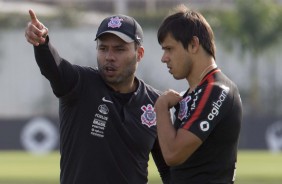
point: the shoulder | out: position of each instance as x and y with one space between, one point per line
86 71
213 90
217 81
148 88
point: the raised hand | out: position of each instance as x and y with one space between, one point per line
168 99
35 31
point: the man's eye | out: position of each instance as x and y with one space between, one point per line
102 48
166 48
120 49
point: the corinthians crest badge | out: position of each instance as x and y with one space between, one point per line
115 22
148 117
183 107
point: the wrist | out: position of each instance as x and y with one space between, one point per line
161 105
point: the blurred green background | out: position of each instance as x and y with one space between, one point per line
253 167
248 38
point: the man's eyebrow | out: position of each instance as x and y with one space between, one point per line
119 45
166 47
101 44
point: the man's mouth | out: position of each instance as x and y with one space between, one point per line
169 69
110 69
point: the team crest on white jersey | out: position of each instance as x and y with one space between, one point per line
115 22
148 117
183 107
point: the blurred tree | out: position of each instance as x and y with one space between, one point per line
256 25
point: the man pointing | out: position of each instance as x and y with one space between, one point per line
107 119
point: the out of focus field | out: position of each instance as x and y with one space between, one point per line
254 167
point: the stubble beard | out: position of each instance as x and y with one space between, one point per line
121 78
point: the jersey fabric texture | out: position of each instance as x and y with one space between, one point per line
105 137
213 112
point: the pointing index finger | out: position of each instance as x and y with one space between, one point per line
32 16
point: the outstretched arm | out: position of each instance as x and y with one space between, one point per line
61 74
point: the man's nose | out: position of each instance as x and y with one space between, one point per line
110 55
164 58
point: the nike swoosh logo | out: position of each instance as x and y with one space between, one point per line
105 100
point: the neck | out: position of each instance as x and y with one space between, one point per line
207 70
195 82
124 88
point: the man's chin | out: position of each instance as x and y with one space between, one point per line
177 77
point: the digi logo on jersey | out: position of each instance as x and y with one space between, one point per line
149 116
217 104
204 126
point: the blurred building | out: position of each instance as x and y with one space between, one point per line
123 6
26 96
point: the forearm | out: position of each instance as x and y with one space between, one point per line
48 60
59 72
166 132
163 168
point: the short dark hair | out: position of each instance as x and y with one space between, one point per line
184 24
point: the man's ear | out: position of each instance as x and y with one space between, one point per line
140 53
194 44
